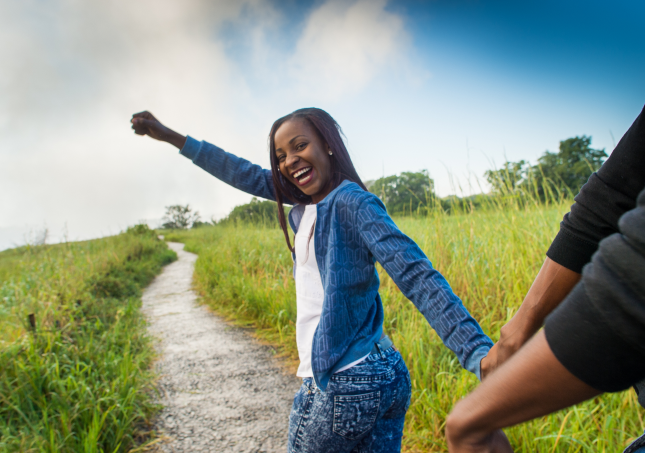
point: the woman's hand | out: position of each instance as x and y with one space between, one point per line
549 288
144 123
512 337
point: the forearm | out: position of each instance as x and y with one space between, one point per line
231 169
175 139
531 384
548 290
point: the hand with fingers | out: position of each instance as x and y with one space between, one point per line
144 123
549 289
501 351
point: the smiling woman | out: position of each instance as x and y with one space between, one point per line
356 387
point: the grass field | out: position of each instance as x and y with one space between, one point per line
81 380
490 258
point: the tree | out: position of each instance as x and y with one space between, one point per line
255 212
508 178
406 192
179 217
571 167
567 170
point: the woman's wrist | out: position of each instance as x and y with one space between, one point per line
176 139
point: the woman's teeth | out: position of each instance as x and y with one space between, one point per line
305 179
300 172
303 176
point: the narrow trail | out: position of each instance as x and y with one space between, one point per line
221 390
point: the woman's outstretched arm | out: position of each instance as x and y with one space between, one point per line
233 170
428 290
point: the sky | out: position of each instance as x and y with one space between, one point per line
454 87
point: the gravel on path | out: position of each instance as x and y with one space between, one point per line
221 390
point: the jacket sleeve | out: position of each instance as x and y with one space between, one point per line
428 290
607 195
233 170
598 332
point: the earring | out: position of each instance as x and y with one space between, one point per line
330 153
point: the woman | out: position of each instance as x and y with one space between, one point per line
356 387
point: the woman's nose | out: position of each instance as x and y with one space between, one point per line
292 160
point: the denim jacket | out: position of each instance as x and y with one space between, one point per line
353 231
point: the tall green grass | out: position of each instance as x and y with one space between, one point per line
80 381
490 257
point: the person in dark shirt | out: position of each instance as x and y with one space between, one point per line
594 335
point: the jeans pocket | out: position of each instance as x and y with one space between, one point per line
354 415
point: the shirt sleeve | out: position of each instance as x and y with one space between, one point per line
607 195
428 290
598 332
233 170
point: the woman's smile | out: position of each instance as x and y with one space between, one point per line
303 176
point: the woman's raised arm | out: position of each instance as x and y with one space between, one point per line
233 170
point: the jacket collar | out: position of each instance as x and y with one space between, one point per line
295 215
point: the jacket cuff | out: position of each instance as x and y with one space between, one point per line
473 364
191 148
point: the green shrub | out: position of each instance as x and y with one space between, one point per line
81 381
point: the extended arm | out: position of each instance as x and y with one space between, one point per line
593 342
233 170
607 195
428 290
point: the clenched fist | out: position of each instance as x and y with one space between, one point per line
144 123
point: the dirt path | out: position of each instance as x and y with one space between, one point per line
221 390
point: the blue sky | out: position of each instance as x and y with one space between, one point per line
454 87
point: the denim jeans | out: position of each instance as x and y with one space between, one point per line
362 410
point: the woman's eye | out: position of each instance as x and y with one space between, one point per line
301 146
280 157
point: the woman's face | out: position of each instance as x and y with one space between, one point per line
304 158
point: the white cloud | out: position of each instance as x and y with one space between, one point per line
345 45
74 71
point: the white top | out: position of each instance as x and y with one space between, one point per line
309 293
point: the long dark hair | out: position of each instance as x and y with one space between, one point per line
342 167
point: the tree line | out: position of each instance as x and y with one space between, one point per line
556 174
564 171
